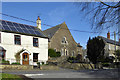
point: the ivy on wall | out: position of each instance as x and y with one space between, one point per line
17 55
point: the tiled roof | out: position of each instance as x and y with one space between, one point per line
12 27
109 40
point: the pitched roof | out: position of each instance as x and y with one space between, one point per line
12 27
1 48
51 31
109 40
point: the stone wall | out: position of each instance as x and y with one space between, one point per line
49 67
15 67
77 66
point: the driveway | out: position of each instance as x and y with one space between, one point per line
67 73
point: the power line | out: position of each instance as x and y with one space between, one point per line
47 24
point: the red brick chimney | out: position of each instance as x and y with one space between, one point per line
108 35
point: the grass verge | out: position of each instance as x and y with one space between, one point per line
6 76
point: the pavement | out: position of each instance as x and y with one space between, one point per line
68 73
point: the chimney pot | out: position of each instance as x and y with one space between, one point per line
108 35
38 23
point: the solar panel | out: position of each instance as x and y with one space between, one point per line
27 27
20 28
16 25
4 23
9 24
26 31
6 28
13 29
32 31
0 25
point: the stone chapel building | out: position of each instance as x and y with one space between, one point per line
60 39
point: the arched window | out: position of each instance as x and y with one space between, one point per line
64 41
73 53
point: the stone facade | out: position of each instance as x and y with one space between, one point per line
60 39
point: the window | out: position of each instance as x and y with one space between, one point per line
64 40
35 42
35 57
73 53
55 50
17 40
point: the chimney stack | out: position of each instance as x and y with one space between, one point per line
108 35
38 23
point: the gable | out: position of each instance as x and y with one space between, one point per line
62 32
65 32
51 31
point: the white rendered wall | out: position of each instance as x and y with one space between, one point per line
7 42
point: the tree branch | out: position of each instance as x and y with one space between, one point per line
111 6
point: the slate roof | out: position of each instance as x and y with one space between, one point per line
51 31
13 27
109 40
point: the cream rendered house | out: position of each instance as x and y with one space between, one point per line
28 40
110 45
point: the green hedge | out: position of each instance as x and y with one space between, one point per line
58 54
5 62
16 63
105 64
74 59
52 53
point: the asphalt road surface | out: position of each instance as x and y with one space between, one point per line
67 73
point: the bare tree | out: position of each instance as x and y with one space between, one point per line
102 15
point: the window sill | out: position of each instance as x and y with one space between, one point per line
36 46
18 44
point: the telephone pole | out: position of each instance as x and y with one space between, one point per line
115 46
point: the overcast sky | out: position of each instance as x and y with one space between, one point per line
52 13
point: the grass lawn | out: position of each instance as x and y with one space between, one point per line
6 76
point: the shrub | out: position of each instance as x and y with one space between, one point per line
71 59
106 64
16 63
17 55
5 62
51 53
79 57
109 59
58 54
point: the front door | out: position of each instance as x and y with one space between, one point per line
25 57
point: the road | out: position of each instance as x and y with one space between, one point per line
66 73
